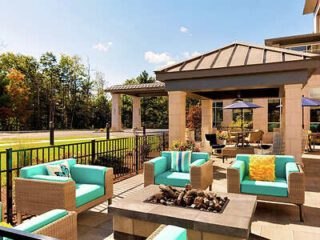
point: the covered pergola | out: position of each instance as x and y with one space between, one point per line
238 70
136 91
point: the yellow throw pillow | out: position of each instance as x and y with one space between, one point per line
262 168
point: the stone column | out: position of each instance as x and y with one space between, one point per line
206 118
136 112
227 114
293 122
260 115
177 116
116 113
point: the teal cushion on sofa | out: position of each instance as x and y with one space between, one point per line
160 165
88 174
41 169
278 188
280 163
172 233
178 179
291 167
87 192
42 220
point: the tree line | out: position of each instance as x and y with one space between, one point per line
64 90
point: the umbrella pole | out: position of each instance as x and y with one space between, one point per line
302 118
242 119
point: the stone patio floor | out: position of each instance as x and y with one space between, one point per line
271 220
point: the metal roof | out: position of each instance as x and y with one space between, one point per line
310 6
235 55
145 89
305 39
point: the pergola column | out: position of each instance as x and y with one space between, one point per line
136 112
292 110
116 113
227 113
177 116
260 115
206 118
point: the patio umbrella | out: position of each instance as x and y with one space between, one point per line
242 105
306 102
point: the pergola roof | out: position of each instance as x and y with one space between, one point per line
310 6
142 90
235 55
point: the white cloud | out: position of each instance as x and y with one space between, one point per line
158 58
190 55
3 45
102 47
184 29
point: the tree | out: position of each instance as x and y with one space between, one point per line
194 117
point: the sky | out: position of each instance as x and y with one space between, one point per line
121 38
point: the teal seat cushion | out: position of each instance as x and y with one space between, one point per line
87 192
278 188
178 179
160 165
88 174
42 220
41 169
280 164
172 233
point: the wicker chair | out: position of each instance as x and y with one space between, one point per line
288 188
254 137
157 171
37 192
168 232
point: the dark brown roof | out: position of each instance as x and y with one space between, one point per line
296 39
235 55
146 89
310 6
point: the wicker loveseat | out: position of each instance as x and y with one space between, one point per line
37 192
157 171
289 186
168 232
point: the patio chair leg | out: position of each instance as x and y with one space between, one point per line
19 218
210 187
223 159
300 213
109 201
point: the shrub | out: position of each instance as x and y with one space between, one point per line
184 146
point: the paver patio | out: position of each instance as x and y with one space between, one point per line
271 221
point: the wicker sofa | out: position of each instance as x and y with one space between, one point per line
37 192
289 186
157 171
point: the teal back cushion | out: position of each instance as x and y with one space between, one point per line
41 169
194 157
280 162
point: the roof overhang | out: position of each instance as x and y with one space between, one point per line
139 90
304 39
310 6
307 65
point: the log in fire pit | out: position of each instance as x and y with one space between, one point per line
189 198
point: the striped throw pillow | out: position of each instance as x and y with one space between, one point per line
180 161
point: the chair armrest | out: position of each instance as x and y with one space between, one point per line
291 167
64 228
235 174
50 178
296 186
35 197
88 174
198 162
201 176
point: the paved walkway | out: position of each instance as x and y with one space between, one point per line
271 221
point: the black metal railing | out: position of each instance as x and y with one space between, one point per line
125 155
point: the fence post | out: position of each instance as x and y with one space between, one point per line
9 184
137 154
51 126
144 130
108 130
93 150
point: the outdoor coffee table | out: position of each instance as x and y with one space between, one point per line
135 219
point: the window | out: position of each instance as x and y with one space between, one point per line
247 115
274 109
315 119
217 114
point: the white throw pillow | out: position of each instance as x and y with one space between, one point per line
60 170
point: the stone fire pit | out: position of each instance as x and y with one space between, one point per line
134 218
189 198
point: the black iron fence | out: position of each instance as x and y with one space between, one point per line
125 155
